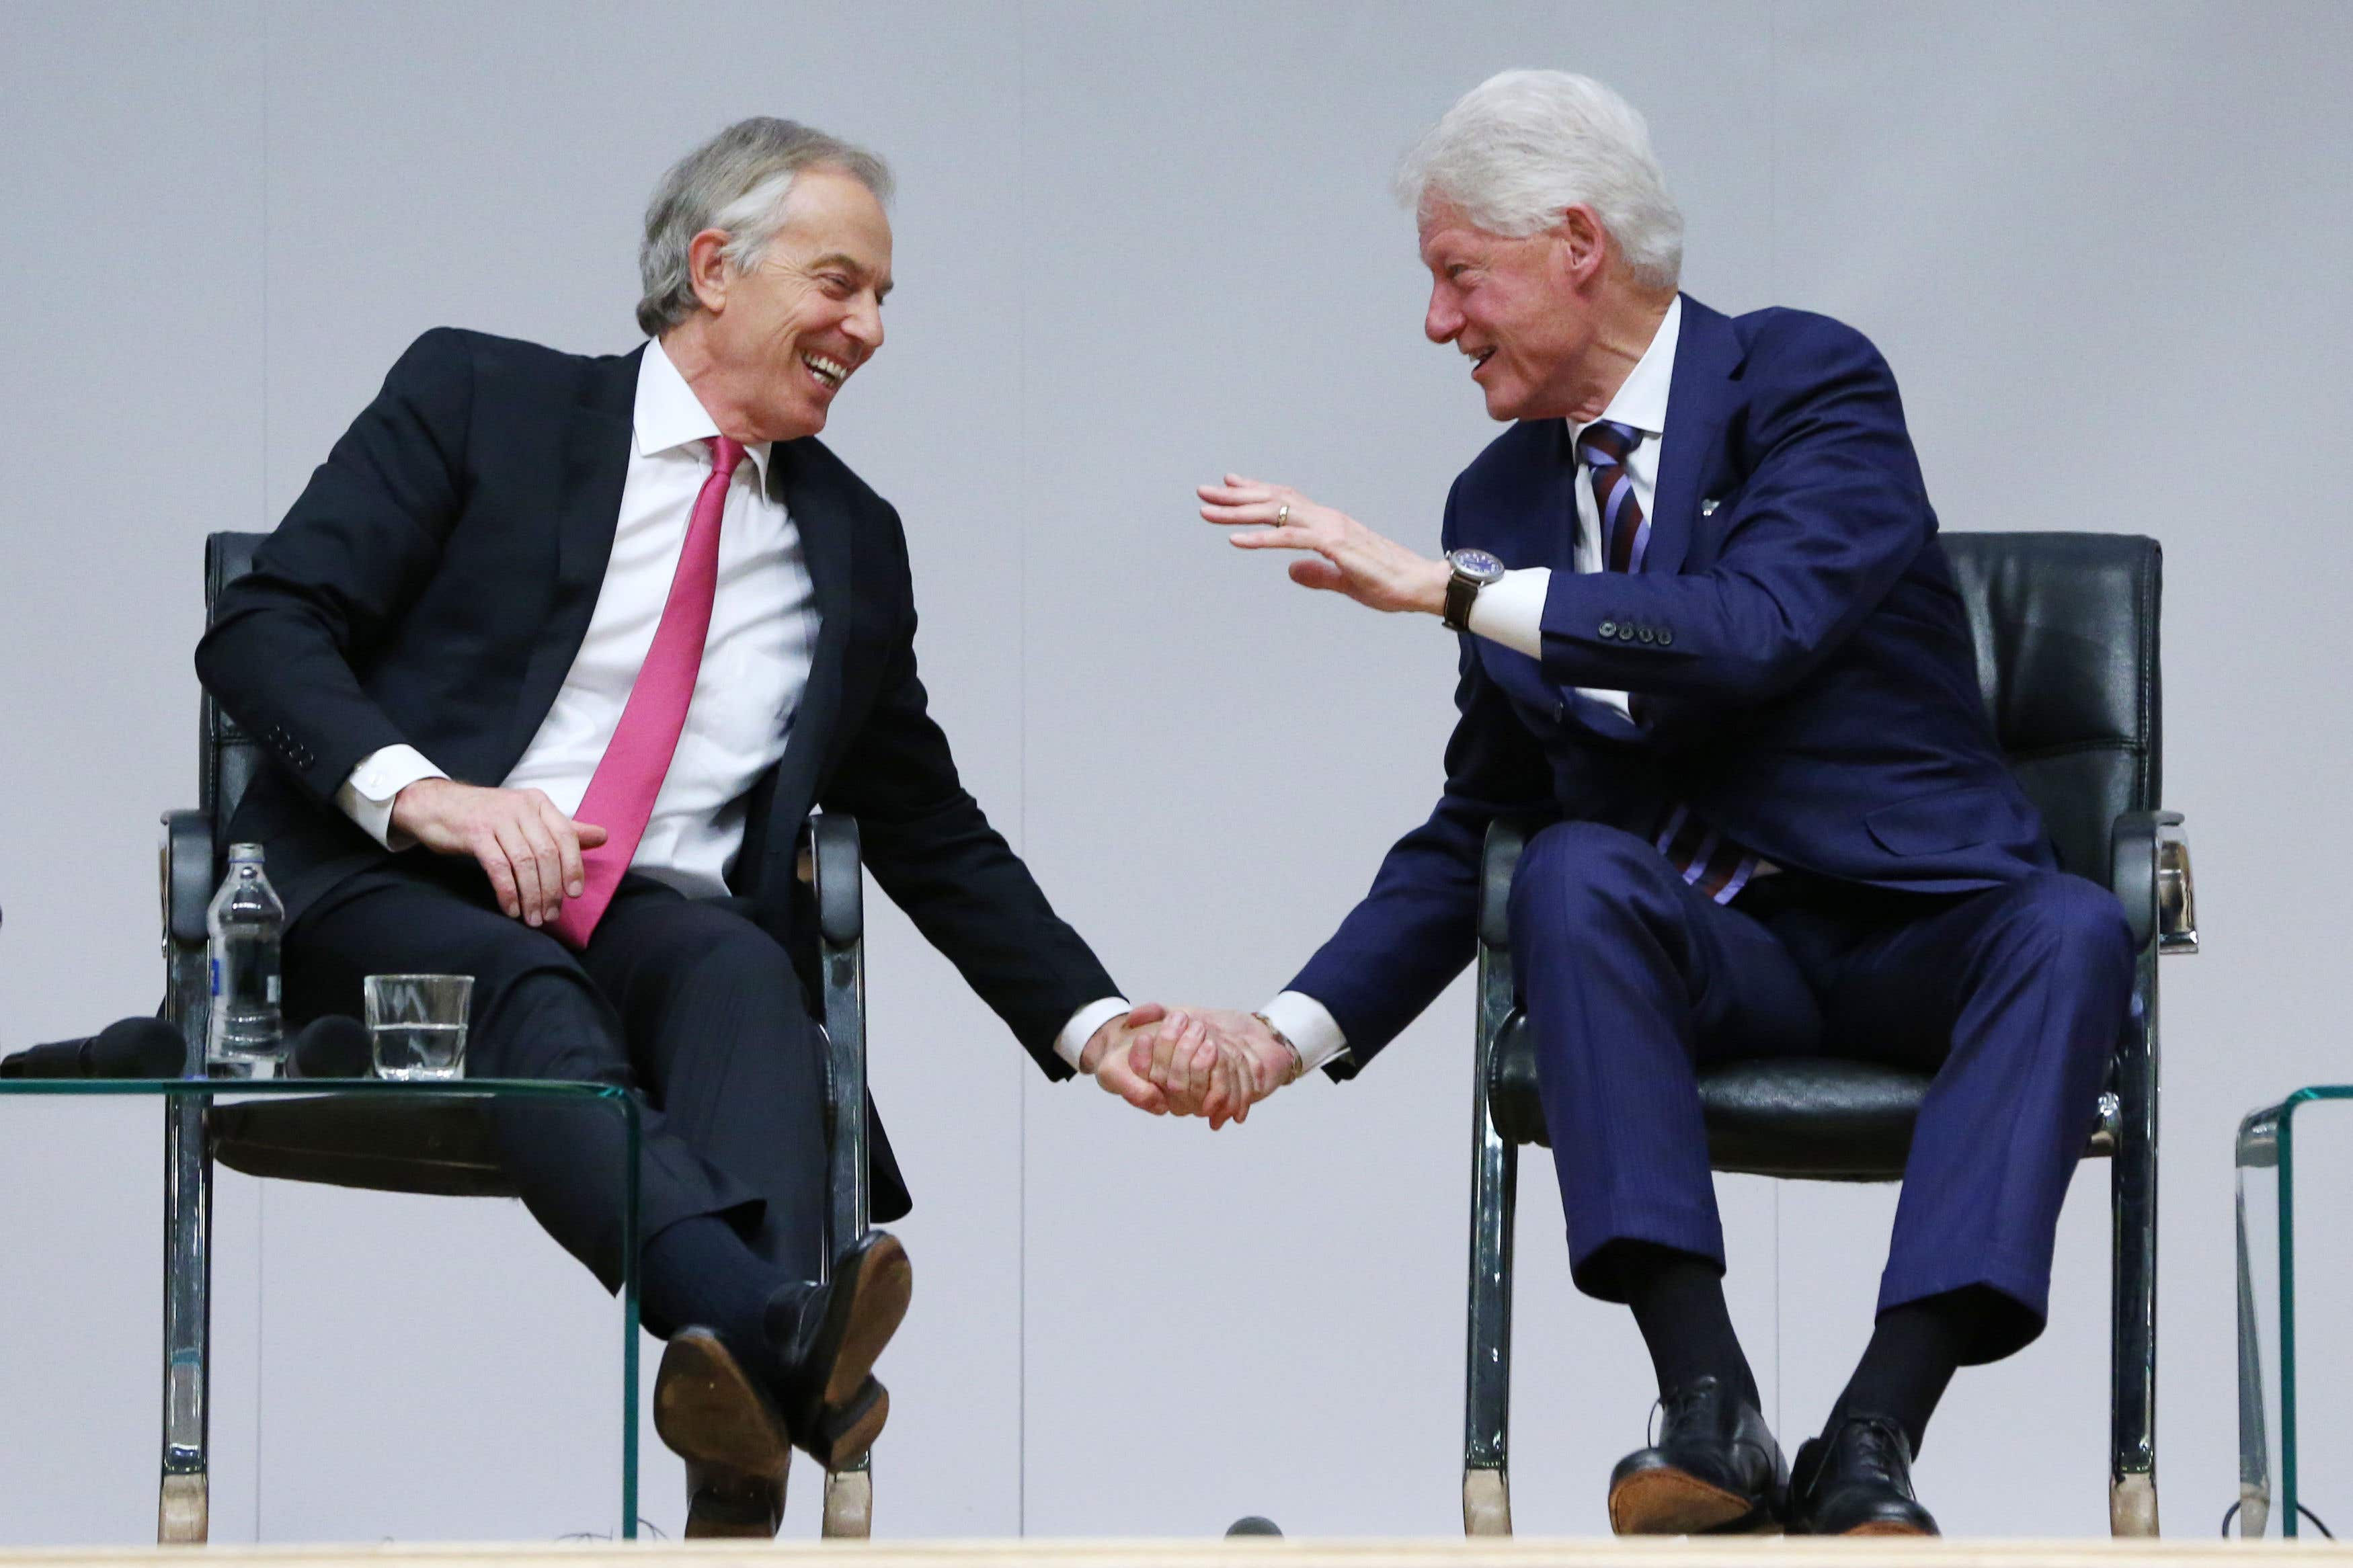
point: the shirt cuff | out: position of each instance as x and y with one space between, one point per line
366 797
1072 1043
1511 612
1306 1023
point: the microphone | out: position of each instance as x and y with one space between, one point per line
330 1045
135 1047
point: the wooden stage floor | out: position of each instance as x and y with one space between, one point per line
1766 1552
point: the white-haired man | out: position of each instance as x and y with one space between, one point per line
1707 635
553 655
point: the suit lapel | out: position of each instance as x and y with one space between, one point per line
596 468
821 513
1699 398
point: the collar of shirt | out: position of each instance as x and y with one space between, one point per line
667 414
1642 401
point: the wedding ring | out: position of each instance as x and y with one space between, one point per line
1284 515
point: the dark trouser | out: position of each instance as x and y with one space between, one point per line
684 1001
2013 997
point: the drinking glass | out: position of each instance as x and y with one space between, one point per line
416 1025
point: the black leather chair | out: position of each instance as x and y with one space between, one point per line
436 1147
2066 633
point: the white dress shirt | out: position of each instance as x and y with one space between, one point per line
755 661
1511 612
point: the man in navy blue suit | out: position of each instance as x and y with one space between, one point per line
1707 634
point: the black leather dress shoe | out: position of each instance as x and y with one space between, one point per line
1714 1469
1857 1480
731 1435
832 1406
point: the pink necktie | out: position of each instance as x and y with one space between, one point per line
620 797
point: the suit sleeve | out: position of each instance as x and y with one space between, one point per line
933 851
351 553
1413 933
1831 516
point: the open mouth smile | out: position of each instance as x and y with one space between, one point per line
830 373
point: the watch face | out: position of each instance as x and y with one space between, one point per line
1476 564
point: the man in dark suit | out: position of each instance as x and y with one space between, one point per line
553 655
1708 634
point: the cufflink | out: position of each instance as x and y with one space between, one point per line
1707 509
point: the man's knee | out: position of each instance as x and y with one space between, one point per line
725 955
549 1023
1578 876
2066 919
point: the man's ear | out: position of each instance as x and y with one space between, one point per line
1581 245
707 268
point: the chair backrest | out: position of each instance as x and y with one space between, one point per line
226 757
2066 633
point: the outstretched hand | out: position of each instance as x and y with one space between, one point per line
1345 557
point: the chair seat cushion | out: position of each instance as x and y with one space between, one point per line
1822 1118
440 1147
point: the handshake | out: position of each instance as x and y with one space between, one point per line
1190 1061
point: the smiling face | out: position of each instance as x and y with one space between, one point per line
1523 309
780 340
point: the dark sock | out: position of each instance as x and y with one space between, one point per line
1678 1302
1913 1351
699 1273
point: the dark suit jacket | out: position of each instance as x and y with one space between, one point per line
433 585
1801 668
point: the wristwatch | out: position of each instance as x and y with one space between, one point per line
1474 570
1298 1062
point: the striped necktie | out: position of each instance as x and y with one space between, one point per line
1717 865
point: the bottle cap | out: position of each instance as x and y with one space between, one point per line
237 852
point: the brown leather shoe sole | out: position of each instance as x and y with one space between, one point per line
849 1430
1888 1527
878 1304
1665 1501
737 1456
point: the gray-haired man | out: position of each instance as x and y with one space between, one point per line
555 654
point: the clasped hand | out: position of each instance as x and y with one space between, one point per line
1189 1061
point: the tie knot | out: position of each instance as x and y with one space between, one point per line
1605 442
725 453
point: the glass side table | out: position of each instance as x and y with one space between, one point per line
2268 1278
188 1262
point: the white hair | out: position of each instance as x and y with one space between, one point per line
737 181
1524 144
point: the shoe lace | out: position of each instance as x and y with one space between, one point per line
1880 1442
1673 1404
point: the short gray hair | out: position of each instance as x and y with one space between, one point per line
737 181
1524 144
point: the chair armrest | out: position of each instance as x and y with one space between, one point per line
187 876
841 885
1497 861
2149 871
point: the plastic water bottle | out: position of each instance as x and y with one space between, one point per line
244 919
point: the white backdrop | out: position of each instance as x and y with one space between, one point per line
2102 244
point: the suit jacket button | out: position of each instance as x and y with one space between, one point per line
1666 636
1644 633
1625 631
1610 628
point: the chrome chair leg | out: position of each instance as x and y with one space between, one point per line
184 1507
183 1511
848 1491
1495 1177
2258 1149
2132 1483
